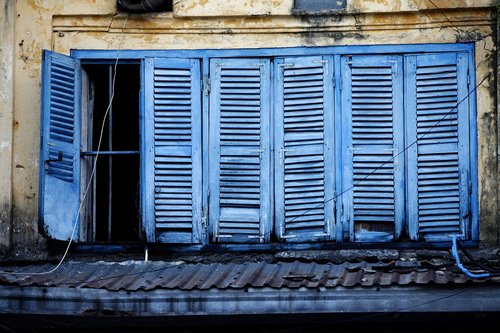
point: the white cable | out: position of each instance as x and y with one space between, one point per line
93 167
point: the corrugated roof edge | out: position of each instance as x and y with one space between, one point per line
178 275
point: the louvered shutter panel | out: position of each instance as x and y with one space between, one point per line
60 145
304 136
173 151
438 161
372 114
240 186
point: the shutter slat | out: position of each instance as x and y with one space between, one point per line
302 181
436 162
239 173
374 135
176 159
60 146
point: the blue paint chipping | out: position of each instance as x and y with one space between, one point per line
358 143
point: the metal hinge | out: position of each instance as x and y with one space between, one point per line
323 234
470 186
206 85
325 63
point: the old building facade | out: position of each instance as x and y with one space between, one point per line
335 152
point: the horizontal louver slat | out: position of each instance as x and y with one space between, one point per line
303 96
172 108
437 146
62 102
62 118
175 194
240 137
373 175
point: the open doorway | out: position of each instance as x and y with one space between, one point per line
112 212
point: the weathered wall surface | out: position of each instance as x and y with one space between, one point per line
6 99
33 25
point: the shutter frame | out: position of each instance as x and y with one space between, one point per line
172 182
59 183
376 148
235 146
294 126
451 173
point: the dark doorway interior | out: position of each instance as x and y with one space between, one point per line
115 189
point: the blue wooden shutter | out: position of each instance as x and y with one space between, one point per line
304 144
172 180
373 133
60 145
240 174
438 159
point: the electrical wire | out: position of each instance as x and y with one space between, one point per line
474 261
305 212
456 28
388 161
459 264
82 201
270 232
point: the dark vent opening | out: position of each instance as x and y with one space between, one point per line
144 6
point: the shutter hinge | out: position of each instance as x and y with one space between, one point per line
324 63
468 80
334 82
323 234
206 85
470 186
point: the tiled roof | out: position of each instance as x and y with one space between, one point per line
139 275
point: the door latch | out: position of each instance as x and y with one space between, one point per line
58 159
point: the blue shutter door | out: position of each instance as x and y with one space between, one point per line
438 162
60 145
373 133
240 174
172 203
304 134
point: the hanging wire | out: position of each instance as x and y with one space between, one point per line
388 161
75 223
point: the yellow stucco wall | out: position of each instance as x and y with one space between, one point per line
33 25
